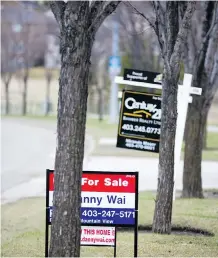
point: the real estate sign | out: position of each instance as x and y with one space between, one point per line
107 198
140 121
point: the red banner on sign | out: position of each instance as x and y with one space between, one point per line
108 183
117 183
51 182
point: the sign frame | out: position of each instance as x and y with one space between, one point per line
134 226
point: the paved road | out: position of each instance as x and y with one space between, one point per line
28 148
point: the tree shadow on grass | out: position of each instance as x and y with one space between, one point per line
176 230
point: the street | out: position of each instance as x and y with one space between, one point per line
28 149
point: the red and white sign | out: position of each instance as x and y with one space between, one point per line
106 198
91 235
103 190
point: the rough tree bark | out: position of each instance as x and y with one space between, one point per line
171 37
163 207
175 38
192 181
198 110
78 23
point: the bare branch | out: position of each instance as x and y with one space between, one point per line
142 15
182 8
95 6
182 34
214 75
171 33
58 8
206 36
100 11
203 54
160 7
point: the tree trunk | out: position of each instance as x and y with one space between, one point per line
7 103
196 127
100 103
24 96
72 105
205 134
47 98
164 198
192 182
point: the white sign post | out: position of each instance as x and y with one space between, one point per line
183 98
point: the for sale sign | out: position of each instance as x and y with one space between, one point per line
107 198
97 236
140 121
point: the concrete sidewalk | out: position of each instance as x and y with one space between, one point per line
147 168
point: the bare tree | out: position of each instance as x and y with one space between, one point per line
99 59
137 37
172 35
51 56
33 40
201 59
8 60
78 22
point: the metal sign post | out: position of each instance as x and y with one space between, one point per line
114 68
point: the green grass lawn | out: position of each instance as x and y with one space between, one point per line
23 230
103 129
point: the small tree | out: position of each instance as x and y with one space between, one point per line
8 60
78 22
137 37
172 35
32 42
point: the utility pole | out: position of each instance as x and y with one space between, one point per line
114 70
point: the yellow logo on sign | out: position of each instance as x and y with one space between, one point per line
138 113
144 112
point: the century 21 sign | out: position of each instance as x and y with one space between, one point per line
140 121
155 113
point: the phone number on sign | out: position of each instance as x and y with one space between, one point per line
111 214
143 129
